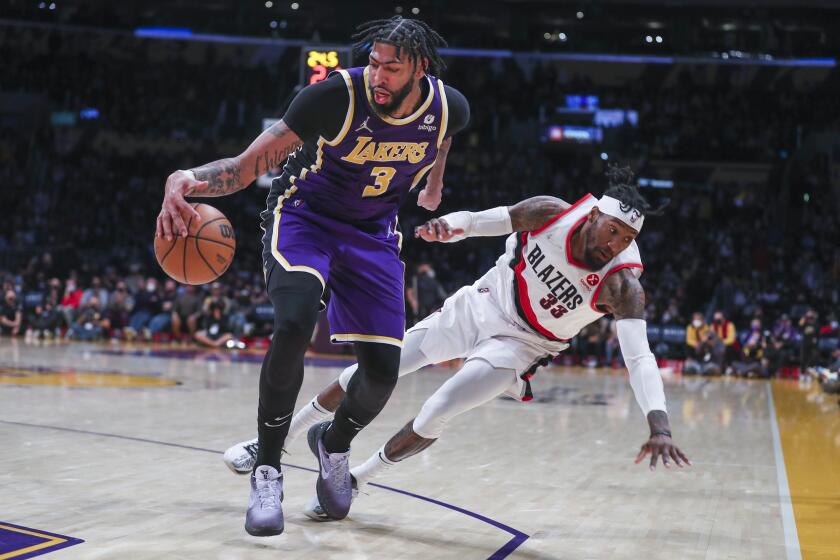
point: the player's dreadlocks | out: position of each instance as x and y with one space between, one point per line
622 187
413 36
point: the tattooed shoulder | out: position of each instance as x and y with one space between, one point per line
623 296
532 213
279 128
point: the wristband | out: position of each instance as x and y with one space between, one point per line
661 433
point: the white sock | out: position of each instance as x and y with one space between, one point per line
307 417
373 467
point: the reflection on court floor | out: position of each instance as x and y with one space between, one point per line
131 464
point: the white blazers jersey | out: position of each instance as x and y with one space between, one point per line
552 293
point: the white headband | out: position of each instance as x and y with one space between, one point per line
632 217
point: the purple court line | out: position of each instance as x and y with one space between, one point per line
518 536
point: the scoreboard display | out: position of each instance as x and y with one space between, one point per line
316 63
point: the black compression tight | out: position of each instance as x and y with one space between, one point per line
296 299
368 391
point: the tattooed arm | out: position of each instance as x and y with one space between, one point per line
623 296
226 176
527 215
532 213
223 177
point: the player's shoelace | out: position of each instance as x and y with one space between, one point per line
251 449
341 468
269 498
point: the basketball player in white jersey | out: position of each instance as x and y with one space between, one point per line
565 266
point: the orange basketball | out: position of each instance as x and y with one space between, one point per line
204 254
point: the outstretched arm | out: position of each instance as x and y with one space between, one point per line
429 197
623 296
222 177
527 215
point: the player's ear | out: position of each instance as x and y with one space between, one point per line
593 214
422 68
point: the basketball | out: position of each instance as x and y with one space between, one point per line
204 254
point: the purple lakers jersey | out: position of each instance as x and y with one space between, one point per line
365 173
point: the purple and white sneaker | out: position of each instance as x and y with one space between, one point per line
265 509
313 509
334 487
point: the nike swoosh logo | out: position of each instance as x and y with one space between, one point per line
281 419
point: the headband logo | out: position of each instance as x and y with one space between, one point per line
633 213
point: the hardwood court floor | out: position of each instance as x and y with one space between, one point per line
121 448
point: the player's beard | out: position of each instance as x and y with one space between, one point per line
397 97
592 259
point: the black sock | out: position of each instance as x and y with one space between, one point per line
341 432
272 430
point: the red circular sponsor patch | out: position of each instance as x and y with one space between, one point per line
592 279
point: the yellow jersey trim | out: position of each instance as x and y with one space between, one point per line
345 128
444 115
275 235
405 120
420 174
366 338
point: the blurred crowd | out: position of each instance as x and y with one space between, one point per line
81 194
88 306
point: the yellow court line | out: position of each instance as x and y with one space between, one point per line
51 541
809 430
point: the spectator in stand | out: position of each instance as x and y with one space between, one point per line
703 349
611 347
147 304
215 331
725 331
240 305
217 295
591 342
162 321
186 312
90 323
786 340
44 322
11 314
427 290
96 290
53 293
71 301
119 308
753 344
808 326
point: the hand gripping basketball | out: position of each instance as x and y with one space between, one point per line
204 254
170 221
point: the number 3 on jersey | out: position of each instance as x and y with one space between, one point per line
383 179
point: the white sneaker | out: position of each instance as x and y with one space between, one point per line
241 457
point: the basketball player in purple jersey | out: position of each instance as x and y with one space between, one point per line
356 143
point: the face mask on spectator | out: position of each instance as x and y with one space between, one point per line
697 323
